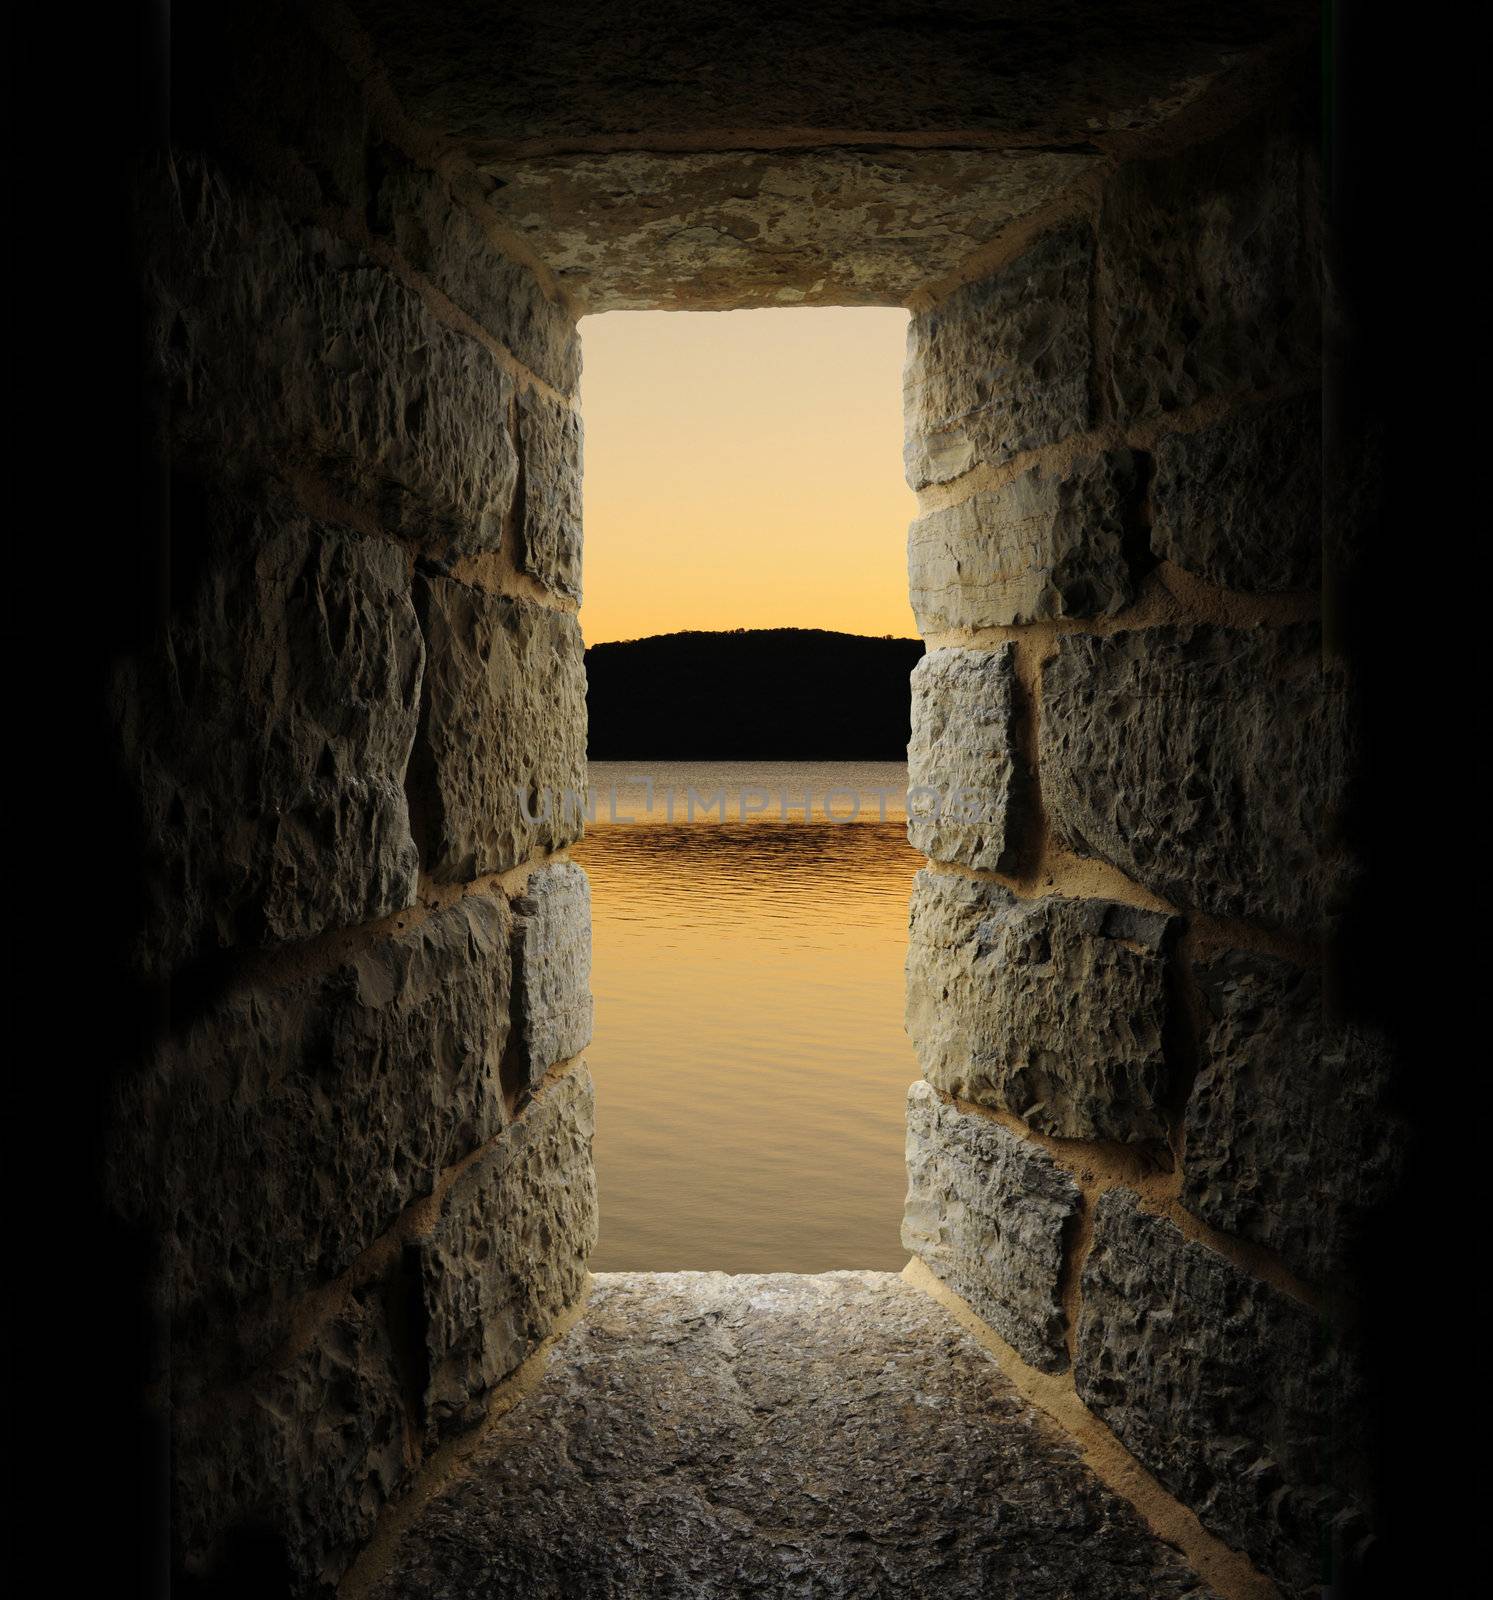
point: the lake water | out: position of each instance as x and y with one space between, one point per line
750 1063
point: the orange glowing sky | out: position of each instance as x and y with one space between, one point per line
743 469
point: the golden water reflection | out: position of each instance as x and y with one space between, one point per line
749 1056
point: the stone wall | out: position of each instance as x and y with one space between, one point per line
1147 1149
361 1137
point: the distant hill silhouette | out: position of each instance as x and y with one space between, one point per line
763 694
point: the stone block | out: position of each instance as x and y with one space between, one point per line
267 737
718 229
1051 1009
454 244
552 968
1240 502
297 117
284 344
1208 273
283 1132
1289 1139
1047 83
501 753
509 1252
278 1484
1046 545
1206 763
549 529
269 93
1002 365
987 1211
963 755
1236 1396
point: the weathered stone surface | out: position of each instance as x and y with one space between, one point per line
847 154
285 344
271 91
267 737
1208 277
552 968
1288 1138
1051 1009
282 1133
1231 1393
451 241
1002 365
692 75
549 530
1045 545
502 731
509 1252
256 80
704 1437
1204 762
963 753
277 1485
723 229
1240 502
987 1212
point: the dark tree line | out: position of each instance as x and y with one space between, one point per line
770 694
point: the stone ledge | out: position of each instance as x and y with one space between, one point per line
703 1436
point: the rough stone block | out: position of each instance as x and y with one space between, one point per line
1043 84
549 530
267 737
1203 762
454 245
285 344
282 1133
1240 502
1046 545
963 754
297 117
277 100
552 968
279 1483
987 1211
1002 365
1233 1394
1052 1009
1289 1141
717 229
1208 269
509 1252
500 753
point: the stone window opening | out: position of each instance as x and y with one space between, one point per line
745 512
1146 1146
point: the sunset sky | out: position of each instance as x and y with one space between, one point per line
743 469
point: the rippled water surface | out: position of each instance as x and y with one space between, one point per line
749 1056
